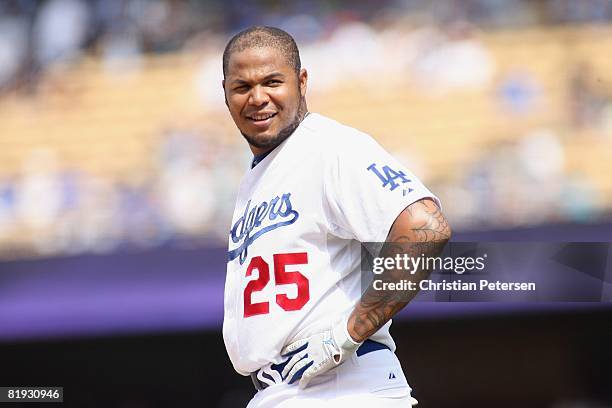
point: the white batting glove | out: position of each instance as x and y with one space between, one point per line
318 354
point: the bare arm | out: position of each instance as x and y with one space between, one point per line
420 229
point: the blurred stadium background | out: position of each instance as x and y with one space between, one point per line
119 164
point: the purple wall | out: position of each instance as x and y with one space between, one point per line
172 289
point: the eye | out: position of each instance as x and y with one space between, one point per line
241 88
273 82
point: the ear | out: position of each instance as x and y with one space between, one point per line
303 81
224 95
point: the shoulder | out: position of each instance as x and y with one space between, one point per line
337 138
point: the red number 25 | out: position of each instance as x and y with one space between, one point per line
281 277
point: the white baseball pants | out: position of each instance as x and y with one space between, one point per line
372 380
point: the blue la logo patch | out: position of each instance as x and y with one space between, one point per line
389 177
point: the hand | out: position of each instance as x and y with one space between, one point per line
318 354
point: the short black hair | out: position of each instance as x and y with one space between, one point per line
263 36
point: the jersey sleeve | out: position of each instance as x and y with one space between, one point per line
366 189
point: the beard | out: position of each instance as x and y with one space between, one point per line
284 133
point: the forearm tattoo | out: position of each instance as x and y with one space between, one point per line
421 229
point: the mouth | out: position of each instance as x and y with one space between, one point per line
261 119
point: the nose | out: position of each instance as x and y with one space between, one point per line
258 96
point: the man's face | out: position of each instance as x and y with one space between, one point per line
265 96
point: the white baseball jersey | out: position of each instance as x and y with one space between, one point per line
293 263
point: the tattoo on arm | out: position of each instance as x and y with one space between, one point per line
421 229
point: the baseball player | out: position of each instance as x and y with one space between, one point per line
296 319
